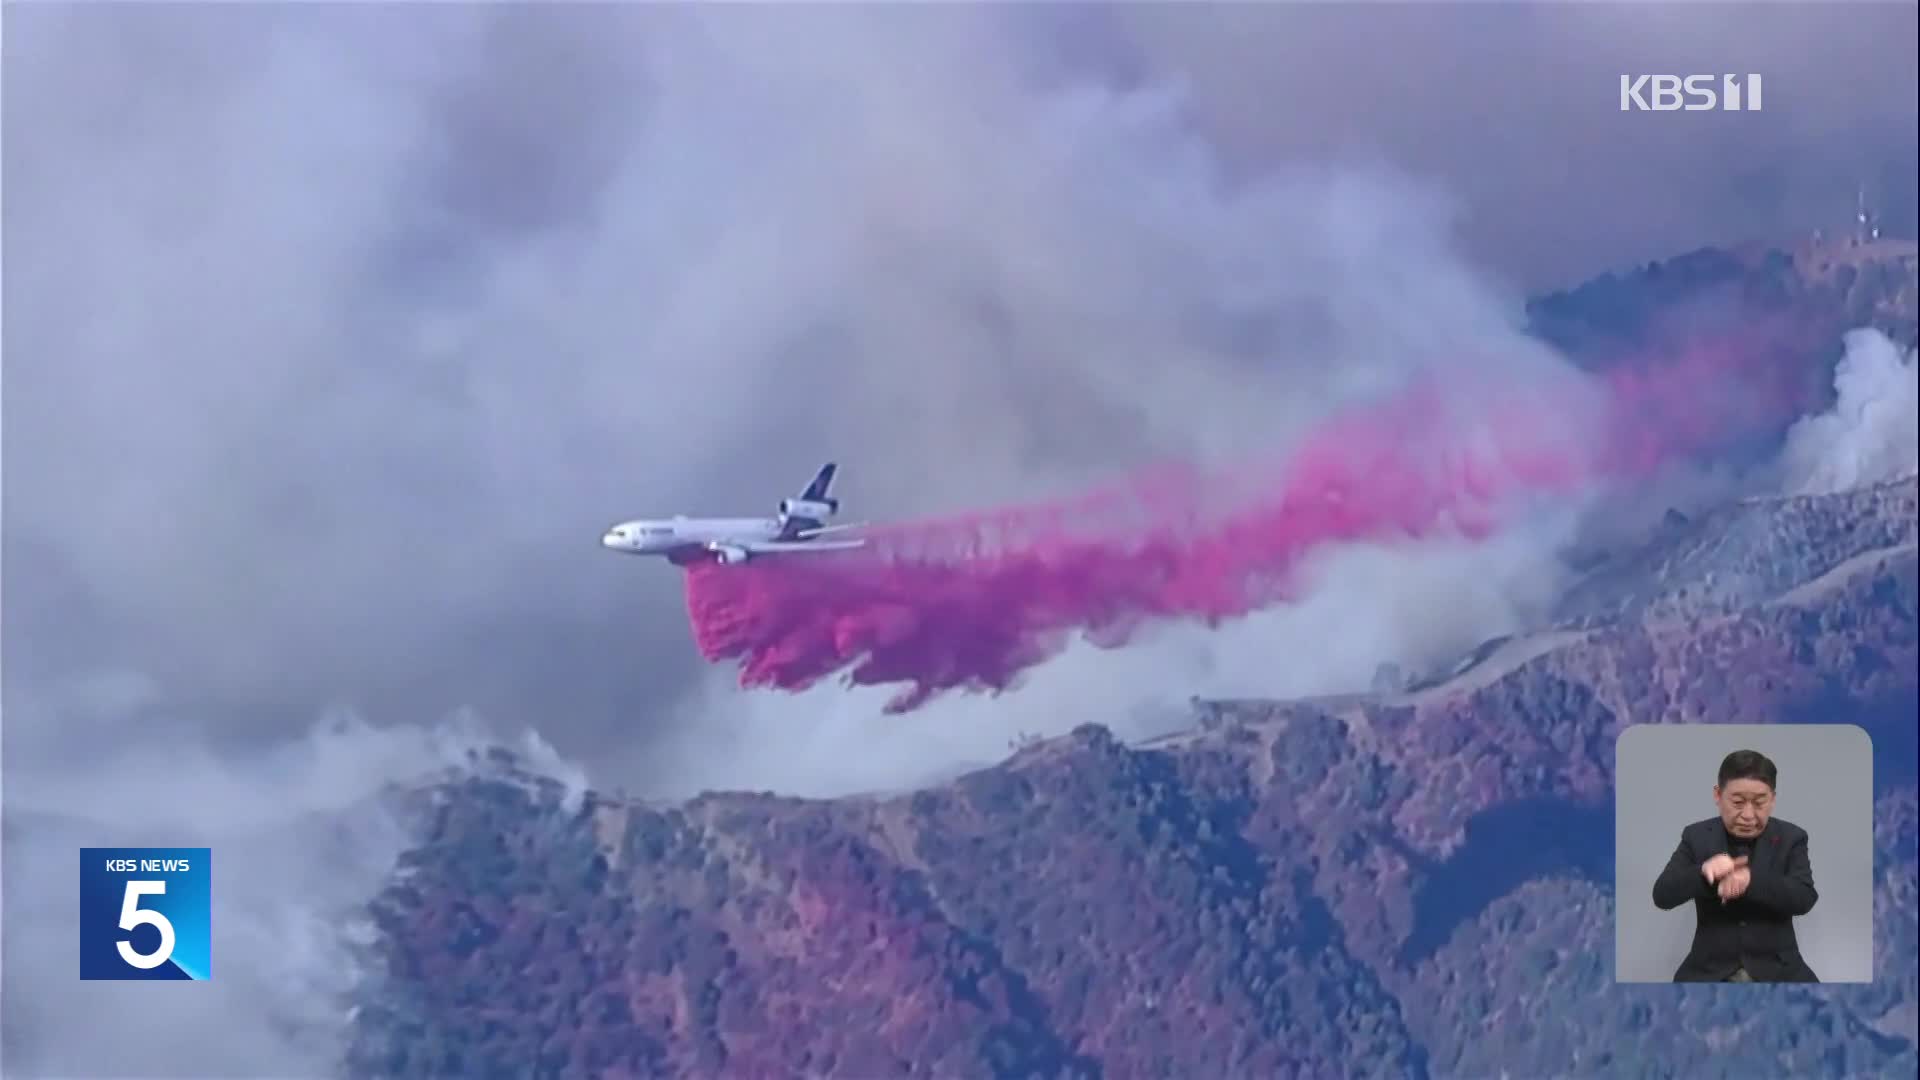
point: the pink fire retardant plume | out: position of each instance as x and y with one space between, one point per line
971 602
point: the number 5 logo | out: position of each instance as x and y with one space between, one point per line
132 915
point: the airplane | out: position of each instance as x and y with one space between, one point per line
685 540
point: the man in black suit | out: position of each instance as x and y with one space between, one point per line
1747 874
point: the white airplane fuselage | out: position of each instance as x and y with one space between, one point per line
684 540
666 536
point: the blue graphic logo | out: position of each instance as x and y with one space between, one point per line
146 913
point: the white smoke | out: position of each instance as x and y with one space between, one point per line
1872 433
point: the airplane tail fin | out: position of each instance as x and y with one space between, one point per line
822 483
811 508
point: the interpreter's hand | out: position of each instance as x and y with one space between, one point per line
1734 884
1720 866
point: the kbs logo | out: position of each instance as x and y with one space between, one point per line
146 913
1694 93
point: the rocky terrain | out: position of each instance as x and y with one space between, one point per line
1413 882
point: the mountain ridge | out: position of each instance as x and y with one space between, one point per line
1412 881
937 969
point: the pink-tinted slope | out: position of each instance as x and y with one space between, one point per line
972 601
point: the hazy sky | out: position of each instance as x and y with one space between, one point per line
335 334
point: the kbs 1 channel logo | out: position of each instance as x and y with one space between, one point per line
146 913
1690 93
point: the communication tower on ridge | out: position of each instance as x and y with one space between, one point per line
1866 224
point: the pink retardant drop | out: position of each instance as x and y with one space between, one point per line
970 602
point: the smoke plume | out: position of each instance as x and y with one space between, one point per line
1871 434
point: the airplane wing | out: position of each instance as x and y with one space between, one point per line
739 551
823 530
801 545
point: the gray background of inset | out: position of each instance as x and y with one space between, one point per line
1664 777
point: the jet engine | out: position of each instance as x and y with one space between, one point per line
806 508
732 556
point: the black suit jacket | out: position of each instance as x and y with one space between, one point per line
1754 931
